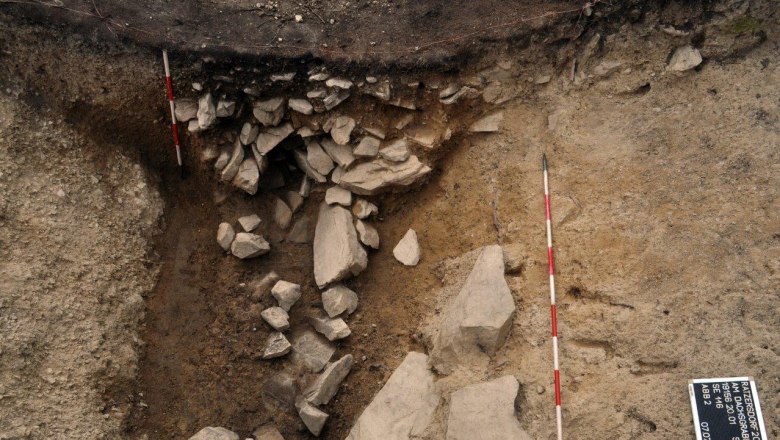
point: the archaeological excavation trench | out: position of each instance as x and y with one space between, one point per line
355 247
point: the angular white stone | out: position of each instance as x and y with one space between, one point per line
269 112
684 58
313 418
225 108
397 151
465 92
341 154
485 411
301 106
373 177
267 432
277 318
404 407
407 251
338 82
248 133
375 131
269 138
318 158
331 328
249 222
337 252
236 158
479 318
339 300
247 245
215 433
334 99
225 235
368 147
248 176
303 163
282 213
312 350
368 234
488 124
338 195
342 129
317 93
276 345
286 294
327 383
364 209
320 76
207 114
186 110
283 77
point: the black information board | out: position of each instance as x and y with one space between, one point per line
726 409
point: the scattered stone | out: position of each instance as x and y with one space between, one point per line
267 432
371 79
282 213
301 106
313 350
318 158
277 318
249 222
293 200
684 58
186 110
337 252
338 195
397 151
207 114
341 154
488 124
269 112
544 79
248 133
236 158
215 433
271 137
284 77
335 177
465 92
342 128
331 328
407 251
301 231
368 234
339 82
373 177
339 300
247 245
316 94
375 131
302 161
286 294
313 418
248 176
334 99
279 391
485 410
225 108
479 318
322 76
225 235
327 383
368 147
364 209
404 407
276 346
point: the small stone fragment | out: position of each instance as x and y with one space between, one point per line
248 245
284 77
269 138
397 151
282 214
407 251
364 209
277 318
341 154
313 418
488 124
301 106
276 346
215 433
269 112
368 234
225 235
312 350
321 76
338 195
316 94
286 294
334 99
248 133
339 82
338 300
544 79
248 176
267 432
249 222
318 158
207 114
186 110
236 158
225 108
327 383
368 147
684 58
342 128
331 328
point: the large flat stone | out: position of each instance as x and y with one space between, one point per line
337 251
404 407
373 177
485 411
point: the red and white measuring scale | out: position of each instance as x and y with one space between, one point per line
169 86
553 310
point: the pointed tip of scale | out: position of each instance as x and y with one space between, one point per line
544 161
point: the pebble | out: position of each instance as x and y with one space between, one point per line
301 106
407 251
276 346
313 418
321 76
339 300
282 213
286 294
339 83
249 222
332 328
367 147
317 93
225 235
342 129
186 109
338 195
225 108
247 245
364 209
368 234
207 114
283 77
397 151
269 112
277 318
248 176
684 58
248 133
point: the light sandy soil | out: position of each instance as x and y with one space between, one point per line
665 198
